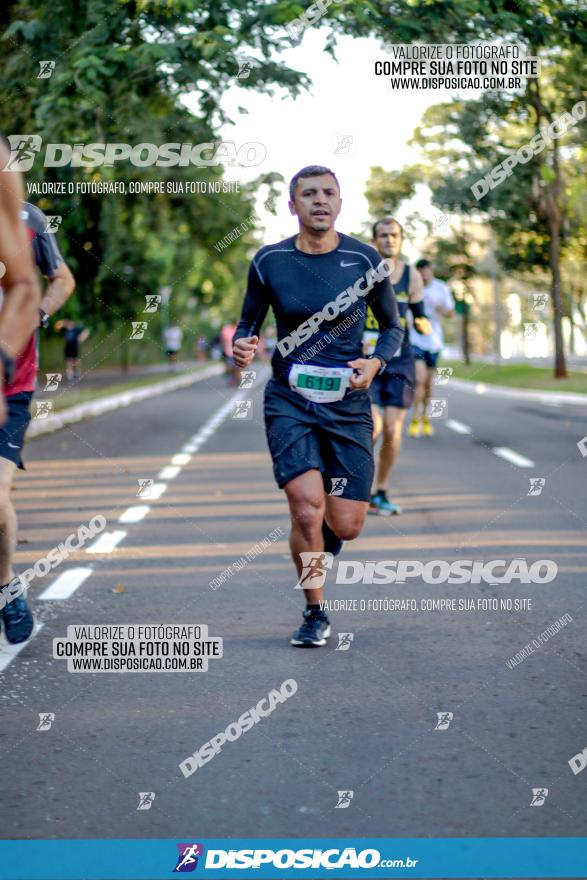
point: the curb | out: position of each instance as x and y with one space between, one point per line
92 408
548 397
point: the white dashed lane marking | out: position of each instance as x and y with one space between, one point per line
181 459
155 491
69 581
458 427
107 542
66 584
168 473
134 514
513 457
509 455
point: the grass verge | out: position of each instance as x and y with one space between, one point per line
517 376
67 398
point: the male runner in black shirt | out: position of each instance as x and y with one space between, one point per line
317 407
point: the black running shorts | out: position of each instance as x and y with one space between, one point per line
395 386
14 428
334 438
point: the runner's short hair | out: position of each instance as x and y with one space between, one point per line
310 171
421 264
386 220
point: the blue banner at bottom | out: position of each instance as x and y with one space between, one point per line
273 859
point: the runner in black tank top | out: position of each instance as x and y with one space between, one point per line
393 391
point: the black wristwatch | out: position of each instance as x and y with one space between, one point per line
381 361
7 365
44 318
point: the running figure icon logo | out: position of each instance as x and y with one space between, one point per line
53 380
338 485
442 376
23 149
539 795
152 302
314 567
343 143
138 329
146 799
244 70
438 408
442 221
47 68
46 719
531 331
53 223
145 487
44 409
539 301
344 800
243 409
187 860
536 485
344 641
247 378
444 719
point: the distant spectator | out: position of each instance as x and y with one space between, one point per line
172 338
202 348
74 334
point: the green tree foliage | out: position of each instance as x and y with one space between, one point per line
122 73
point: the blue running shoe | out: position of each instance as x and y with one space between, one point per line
381 504
332 543
18 620
313 632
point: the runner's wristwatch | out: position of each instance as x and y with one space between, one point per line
8 366
44 319
381 361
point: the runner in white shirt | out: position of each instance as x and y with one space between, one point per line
438 304
172 339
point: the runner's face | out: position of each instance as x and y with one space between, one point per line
316 202
426 273
388 239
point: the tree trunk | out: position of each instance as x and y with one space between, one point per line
550 208
465 335
560 366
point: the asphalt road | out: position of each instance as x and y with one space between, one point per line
363 719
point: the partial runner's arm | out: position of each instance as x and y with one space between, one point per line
255 308
383 304
22 294
416 299
50 263
416 288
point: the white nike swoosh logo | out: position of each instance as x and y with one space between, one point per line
344 265
13 446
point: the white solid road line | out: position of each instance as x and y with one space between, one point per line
8 652
458 427
134 514
66 584
168 473
513 457
107 542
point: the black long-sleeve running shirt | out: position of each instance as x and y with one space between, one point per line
320 303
